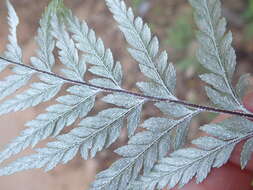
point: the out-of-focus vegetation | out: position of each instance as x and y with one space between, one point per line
248 15
137 3
181 33
180 37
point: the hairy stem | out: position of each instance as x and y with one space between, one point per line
151 98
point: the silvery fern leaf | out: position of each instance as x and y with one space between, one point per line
153 157
216 54
100 58
143 155
13 82
209 151
129 102
94 134
65 114
102 64
46 157
179 133
13 51
38 92
45 89
145 50
142 152
71 107
22 75
45 58
97 132
67 51
60 115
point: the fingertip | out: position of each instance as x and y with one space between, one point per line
228 177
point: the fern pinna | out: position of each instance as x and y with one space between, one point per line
154 157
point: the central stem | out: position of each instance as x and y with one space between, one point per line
143 96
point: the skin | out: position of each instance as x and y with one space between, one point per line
230 176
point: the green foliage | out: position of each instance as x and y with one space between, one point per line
136 3
249 12
181 33
180 37
248 16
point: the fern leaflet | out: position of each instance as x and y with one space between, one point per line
216 54
182 165
45 89
142 151
12 83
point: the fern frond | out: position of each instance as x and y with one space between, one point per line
59 115
145 50
102 64
100 58
76 105
154 157
13 82
67 51
45 89
142 151
100 131
38 93
216 54
179 134
182 165
45 58
13 51
94 133
134 116
65 113
156 143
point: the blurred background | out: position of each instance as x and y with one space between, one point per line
171 20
